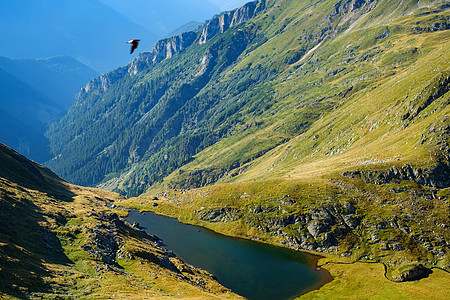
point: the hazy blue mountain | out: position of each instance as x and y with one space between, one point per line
24 115
34 93
88 30
59 78
164 17
190 26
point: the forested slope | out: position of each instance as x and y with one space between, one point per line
253 79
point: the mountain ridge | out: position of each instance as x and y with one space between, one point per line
210 60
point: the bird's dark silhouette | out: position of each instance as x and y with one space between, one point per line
134 44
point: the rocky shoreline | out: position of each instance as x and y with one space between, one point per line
355 228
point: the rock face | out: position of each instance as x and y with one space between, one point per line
226 20
163 49
223 214
437 176
104 240
104 82
105 244
318 228
436 89
350 5
331 227
315 228
168 47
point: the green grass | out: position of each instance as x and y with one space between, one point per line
367 281
348 128
358 128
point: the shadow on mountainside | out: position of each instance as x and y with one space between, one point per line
29 194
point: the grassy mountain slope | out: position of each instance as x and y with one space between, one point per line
356 86
317 125
63 241
257 85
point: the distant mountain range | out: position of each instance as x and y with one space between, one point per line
88 30
93 32
34 93
59 78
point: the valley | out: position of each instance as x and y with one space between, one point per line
322 127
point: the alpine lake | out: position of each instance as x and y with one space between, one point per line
251 269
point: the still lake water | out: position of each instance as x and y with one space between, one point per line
250 269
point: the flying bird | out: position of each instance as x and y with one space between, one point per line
134 44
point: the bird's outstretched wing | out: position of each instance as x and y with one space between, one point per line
134 45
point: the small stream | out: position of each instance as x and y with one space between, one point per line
251 269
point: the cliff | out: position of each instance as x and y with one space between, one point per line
163 49
221 23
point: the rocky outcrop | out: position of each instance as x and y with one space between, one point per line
437 23
439 86
168 47
414 273
103 241
162 50
437 176
104 82
347 6
222 214
349 11
318 229
105 244
221 23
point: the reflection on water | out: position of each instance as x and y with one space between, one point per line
253 270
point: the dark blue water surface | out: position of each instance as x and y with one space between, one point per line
250 269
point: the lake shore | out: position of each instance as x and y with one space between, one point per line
266 271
